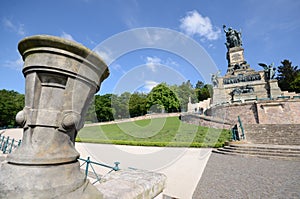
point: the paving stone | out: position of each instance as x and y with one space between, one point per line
248 177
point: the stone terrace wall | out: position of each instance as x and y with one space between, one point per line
281 134
205 121
230 113
279 112
260 112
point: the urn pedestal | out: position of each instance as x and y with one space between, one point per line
61 79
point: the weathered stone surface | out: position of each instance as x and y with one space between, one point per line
61 78
281 111
281 134
207 121
275 91
132 184
48 181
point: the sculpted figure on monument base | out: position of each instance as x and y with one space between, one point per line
269 70
233 37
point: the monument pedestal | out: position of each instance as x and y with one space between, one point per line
61 79
219 96
45 181
274 89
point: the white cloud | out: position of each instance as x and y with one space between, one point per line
17 28
14 64
195 24
149 85
171 62
118 68
67 36
152 62
106 56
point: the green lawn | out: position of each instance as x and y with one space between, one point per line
168 131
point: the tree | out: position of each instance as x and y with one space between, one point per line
203 91
103 108
184 91
137 104
288 76
121 105
162 98
295 85
11 103
199 84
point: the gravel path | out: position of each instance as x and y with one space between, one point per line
228 176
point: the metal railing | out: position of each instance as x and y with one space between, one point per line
235 132
7 145
89 164
241 126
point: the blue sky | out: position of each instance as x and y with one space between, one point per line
270 33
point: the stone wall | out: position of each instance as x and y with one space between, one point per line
282 134
202 120
283 111
279 112
230 113
199 107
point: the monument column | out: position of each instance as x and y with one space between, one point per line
61 79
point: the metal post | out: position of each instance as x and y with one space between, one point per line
241 126
19 143
233 134
87 167
116 167
5 145
1 144
11 145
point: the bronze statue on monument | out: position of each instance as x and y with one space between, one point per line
233 37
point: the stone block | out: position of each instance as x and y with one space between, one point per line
131 184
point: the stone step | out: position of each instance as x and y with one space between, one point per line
265 147
262 152
245 150
259 156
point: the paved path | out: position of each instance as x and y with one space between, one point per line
183 167
224 176
228 176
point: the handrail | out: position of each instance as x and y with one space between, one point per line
90 163
7 144
241 126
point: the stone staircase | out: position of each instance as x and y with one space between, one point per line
286 152
276 134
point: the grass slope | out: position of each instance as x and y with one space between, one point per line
168 131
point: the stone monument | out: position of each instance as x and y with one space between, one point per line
61 79
242 83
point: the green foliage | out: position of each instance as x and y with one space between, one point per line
11 103
121 105
173 132
137 104
183 92
162 98
103 108
295 84
203 91
288 76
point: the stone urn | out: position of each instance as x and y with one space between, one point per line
61 78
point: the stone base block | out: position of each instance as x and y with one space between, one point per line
131 184
45 181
